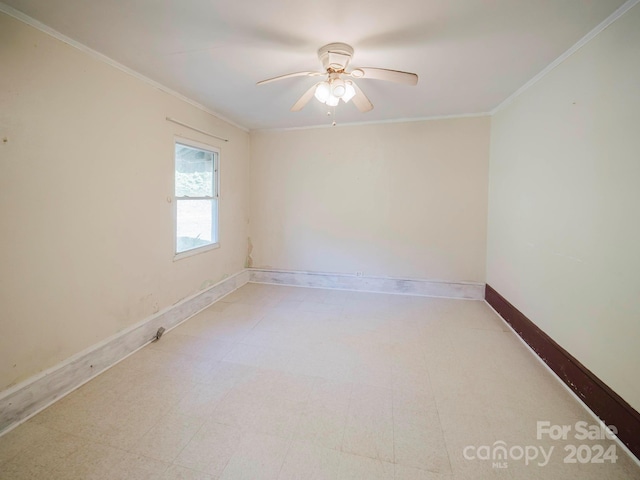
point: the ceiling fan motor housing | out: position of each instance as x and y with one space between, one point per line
335 56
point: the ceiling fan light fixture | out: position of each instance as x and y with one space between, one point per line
338 87
332 101
323 92
349 92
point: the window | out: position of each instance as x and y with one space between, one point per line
196 197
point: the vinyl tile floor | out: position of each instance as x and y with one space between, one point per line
287 383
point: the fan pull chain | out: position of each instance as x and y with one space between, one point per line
332 113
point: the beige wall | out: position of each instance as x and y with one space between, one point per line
564 205
86 247
400 199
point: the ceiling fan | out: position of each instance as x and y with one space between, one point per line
335 58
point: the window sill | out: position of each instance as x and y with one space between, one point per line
195 251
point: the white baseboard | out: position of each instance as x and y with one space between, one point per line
21 402
342 281
24 400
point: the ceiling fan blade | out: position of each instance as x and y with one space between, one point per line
385 74
360 100
304 99
289 75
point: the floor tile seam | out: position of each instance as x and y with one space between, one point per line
393 427
187 444
51 430
288 449
82 437
344 427
124 451
285 350
194 470
444 439
377 459
394 462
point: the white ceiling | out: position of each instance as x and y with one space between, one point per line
470 54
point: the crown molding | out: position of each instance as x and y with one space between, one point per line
24 18
375 122
624 8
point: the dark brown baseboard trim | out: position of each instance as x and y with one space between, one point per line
604 402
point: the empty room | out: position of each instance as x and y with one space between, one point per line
319 240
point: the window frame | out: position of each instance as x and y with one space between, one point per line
187 142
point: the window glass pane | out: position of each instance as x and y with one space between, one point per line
195 220
194 172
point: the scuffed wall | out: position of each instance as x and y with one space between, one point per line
85 172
